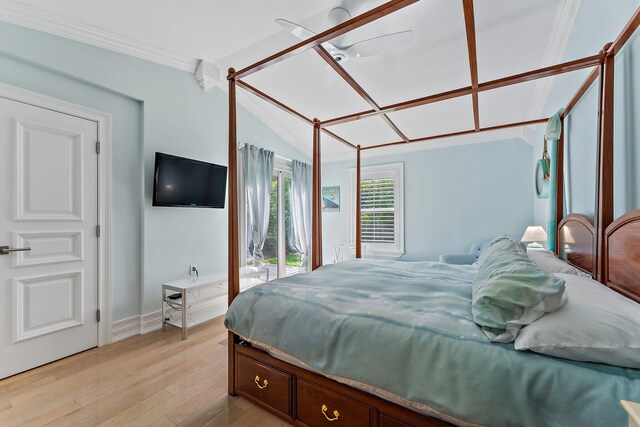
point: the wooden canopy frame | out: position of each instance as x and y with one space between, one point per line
602 65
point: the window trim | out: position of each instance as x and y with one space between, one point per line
382 250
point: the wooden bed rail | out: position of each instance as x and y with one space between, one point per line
625 34
591 78
260 94
326 56
553 70
460 133
325 36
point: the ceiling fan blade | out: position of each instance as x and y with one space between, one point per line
379 45
297 30
328 77
301 32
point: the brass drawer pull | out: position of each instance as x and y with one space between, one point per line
265 382
336 414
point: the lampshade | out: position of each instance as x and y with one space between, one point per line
534 233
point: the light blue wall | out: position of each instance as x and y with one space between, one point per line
452 197
627 129
155 108
581 155
582 124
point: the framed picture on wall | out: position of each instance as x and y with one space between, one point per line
331 199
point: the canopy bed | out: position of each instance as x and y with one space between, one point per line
324 375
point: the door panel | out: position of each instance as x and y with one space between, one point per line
61 294
48 173
48 203
47 247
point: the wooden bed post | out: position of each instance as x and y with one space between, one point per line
559 185
316 217
358 207
232 208
470 28
604 191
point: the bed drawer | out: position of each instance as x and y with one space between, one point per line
389 421
265 384
317 406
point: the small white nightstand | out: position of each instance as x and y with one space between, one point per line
250 276
633 409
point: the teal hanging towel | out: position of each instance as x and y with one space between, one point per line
552 135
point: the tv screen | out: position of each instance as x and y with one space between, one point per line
188 183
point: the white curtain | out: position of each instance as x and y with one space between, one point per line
301 209
257 171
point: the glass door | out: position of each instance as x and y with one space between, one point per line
292 256
270 251
281 258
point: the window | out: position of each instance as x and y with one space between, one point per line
381 202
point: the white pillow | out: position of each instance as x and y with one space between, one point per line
595 325
549 262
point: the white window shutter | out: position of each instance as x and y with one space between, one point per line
381 203
378 209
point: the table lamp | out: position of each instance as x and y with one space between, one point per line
534 235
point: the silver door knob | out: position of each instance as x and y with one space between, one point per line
6 250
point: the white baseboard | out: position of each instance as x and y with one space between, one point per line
149 322
125 328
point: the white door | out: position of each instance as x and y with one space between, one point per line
49 203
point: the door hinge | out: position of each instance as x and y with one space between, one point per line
98 315
97 147
97 231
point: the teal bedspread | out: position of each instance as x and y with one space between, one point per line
406 327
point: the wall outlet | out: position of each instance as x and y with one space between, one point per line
193 269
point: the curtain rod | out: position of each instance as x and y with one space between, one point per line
274 154
282 158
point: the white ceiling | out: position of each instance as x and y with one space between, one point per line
202 29
297 82
512 37
440 118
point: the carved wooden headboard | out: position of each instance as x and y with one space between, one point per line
576 242
622 255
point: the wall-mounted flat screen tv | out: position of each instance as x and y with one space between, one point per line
178 181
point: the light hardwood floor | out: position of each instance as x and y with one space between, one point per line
149 380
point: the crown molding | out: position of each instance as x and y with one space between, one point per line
207 74
561 32
31 17
473 138
528 134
